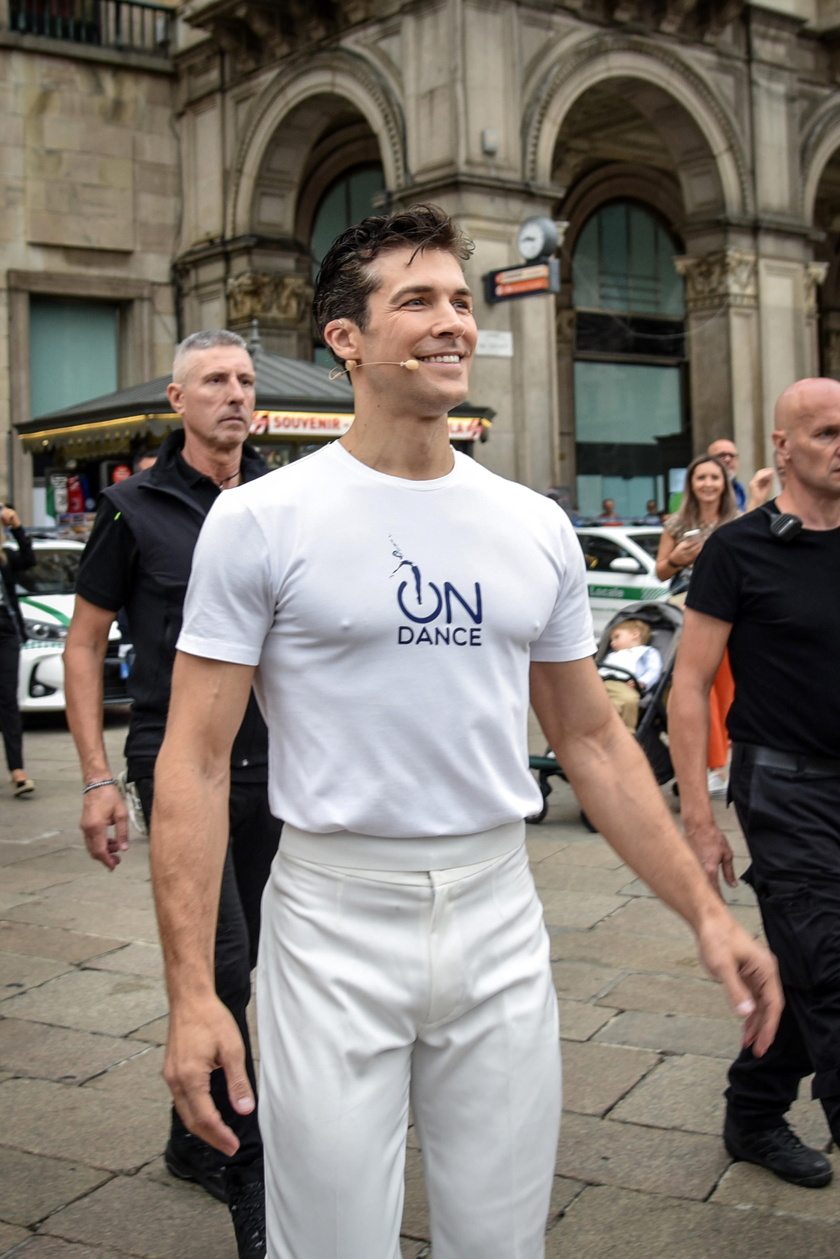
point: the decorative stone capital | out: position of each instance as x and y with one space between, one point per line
815 273
272 298
725 277
565 327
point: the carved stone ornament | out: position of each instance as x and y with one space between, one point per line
723 277
284 299
815 273
565 326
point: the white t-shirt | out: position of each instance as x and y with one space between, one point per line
393 623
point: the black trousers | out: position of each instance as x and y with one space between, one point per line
255 834
792 825
10 721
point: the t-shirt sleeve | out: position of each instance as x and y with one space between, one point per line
568 634
230 601
105 576
715 586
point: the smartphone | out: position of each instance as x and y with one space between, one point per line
691 533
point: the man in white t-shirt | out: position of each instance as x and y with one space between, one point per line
393 602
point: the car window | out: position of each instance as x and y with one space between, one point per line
647 541
54 573
599 552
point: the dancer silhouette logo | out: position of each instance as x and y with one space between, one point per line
446 616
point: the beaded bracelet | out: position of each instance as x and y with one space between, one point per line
103 782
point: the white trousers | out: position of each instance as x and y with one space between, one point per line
380 988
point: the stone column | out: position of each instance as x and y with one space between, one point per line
722 338
815 273
565 324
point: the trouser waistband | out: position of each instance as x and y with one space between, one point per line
373 852
792 762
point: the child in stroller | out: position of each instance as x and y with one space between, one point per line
665 624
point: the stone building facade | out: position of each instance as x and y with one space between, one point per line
690 148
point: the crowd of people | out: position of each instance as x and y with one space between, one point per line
402 952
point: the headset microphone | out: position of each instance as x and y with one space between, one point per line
350 365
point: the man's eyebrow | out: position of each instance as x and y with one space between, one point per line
463 291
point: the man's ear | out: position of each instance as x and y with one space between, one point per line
342 337
175 394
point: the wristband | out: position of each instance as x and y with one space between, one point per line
103 782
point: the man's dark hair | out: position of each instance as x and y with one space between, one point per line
345 280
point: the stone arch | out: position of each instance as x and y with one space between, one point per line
820 143
284 122
670 94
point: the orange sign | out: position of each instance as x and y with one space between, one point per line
327 425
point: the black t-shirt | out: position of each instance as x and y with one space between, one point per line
783 602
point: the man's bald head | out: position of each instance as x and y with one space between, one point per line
803 399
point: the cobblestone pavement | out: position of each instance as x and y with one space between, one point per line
641 1170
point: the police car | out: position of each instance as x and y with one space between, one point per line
46 597
620 568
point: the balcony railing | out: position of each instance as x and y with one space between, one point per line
127 25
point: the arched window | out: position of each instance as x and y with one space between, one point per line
629 369
345 202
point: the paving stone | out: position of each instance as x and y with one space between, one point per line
132 959
10 901
579 1021
674 1033
607 1223
155 1033
596 1076
21 877
62 1121
664 994
540 848
630 952
32 1187
67 862
415 1221
14 848
589 852
563 1191
93 1001
684 1093
107 918
576 909
740 895
563 877
413 1250
137 1077
54 1248
19 972
602 1152
11 1237
64 946
580 981
745 1185
652 918
97 887
59 1053
148 1219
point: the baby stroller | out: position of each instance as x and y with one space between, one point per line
665 622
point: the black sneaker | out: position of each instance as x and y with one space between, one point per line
190 1158
780 1151
246 1203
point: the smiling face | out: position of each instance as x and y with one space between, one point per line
421 309
215 396
708 483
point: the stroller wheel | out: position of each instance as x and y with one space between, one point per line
584 821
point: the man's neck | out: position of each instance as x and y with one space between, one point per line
221 466
414 449
816 511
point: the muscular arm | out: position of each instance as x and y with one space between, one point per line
189 837
702 644
615 787
104 819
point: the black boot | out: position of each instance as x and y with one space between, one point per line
190 1158
246 1203
780 1150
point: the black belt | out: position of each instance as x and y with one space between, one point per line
792 762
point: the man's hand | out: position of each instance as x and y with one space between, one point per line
203 1037
759 488
713 852
748 972
104 824
9 518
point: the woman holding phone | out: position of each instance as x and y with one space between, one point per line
708 501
